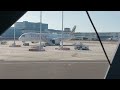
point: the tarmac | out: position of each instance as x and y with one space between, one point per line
51 54
20 63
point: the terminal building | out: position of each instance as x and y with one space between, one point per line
23 27
92 36
26 26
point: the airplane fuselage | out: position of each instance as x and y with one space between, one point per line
35 37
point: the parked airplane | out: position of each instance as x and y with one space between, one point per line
51 38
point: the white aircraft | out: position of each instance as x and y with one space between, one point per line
50 38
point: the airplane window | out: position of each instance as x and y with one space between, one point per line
108 30
66 36
78 36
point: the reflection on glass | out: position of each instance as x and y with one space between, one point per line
107 24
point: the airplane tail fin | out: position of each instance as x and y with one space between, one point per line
73 30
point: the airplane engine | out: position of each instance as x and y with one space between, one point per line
56 41
34 42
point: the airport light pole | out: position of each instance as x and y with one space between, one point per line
14 34
62 30
40 28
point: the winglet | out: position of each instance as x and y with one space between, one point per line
73 30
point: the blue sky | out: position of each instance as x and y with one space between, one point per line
105 21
